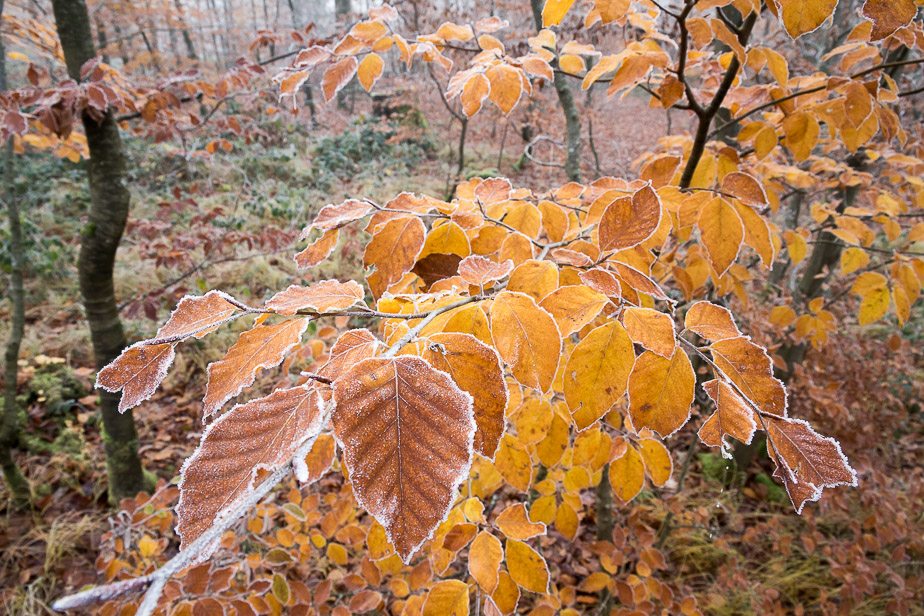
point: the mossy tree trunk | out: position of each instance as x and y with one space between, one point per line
109 203
10 423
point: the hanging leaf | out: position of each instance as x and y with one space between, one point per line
652 329
319 250
527 339
658 463
629 221
803 16
369 70
806 461
732 417
484 560
480 271
338 76
746 188
393 250
597 373
515 524
527 568
722 234
407 432
335 216
136 372
661 392
197 316
627 474
261 434
749 367
262 347
475 368
324 296
711 321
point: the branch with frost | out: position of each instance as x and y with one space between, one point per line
155 582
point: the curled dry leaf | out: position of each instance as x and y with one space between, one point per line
407 431
629 221
261 434
806 461
661 392
334 216
324 296
475 367
527 338
136 372
317 461
319 250
263 346
480 271
732 417
597 373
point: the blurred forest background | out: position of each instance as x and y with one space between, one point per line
223 175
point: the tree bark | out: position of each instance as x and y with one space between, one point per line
568 108
109 204
10 422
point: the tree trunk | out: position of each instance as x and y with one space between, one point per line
187 38
9 423
109 203
568 108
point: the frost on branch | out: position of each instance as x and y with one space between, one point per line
261 434
806 462
262 347
407 432
137 372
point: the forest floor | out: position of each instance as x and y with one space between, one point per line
231 223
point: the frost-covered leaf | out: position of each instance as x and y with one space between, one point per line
333 216
527 567
317 461
480 271
515 524
637 280
197 316
751 370
324 296
627 473
722 233
475 368
888 16
746 188
806 461
261 434
652 329
137 372
597 372
447 598
711 321
351 347
319 250
262 347
629 221
407 432
803 16
527 338
732 417
393 250
484 560
573 307
661 391
338 76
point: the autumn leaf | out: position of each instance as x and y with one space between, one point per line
661 392
369 70
319 250
658 462
652 329
534 278
527 568
197 316
393 250
803 16
746 188
506 87
629 221
627 474
888 16
553 11
351 347
527 339
597 373
475 368
137 372
480 271
447 598
806 461
262 347
407 432
338 76
515 524
319 460
732 417
749 367
513 463
261 434
324 296
484 560
722 233
334 216
573 307
711 321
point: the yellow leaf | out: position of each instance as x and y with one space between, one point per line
627 474
722 233
803 16
571 63
527 338
506 595
513 462
447 598
534 278
551 448
661 391
874 305
448 238
484 559
652 329
573 307
711 321
853 259
801 130
597 372
782 316
658 463
554 11
566 521
506 86
527 568
369 70
795 245
515 524
533 421
473 94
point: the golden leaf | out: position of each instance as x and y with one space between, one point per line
527 568
751 370
324 296
319 250
627 474
661 391
629 221
515 524
722 233
369 70
393 249
573 307
484 560
597 373
652 329
447 598
527 339
711 321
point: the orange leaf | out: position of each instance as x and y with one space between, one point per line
627 474
480 271
221 472
661 391
597 373
751 370
447 598
338 76
803 16
506 87
629 221
318 250
351 348
732 417
262 347
406 431
369 70
652 329
394 249
319 460
527 568
334 216
137 372
658 463
325 296
514 523
722 233
197 316
484 559
746 188
888 16
711 321
573 307
527 338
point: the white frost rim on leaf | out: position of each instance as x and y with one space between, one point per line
147 392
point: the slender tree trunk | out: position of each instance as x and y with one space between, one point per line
109 204
187 38
10 424
568 108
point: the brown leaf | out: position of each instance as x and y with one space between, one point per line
629 221
732 417
435 267
407 432
197 316
261 434
661 391
746 188
262 347
351 348
480 271
806 461
338 76
393 249
324 296
888 16
137 372
318 251
335 216
476 369
751 370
